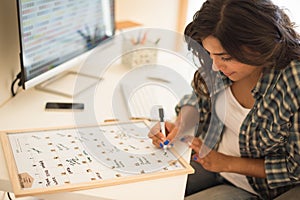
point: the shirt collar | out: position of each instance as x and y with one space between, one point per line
267 81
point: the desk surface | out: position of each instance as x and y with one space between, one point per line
26 111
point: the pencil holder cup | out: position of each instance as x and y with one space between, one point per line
135 55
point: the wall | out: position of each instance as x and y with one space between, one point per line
291 8
193 6
9 47
154 13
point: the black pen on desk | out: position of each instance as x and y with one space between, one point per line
157 41
162 127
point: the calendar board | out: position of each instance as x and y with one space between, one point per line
70 159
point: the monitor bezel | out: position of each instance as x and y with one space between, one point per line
63 66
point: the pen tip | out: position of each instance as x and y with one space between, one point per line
161 112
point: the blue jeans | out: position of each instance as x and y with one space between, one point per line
208 185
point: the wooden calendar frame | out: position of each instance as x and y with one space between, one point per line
18 179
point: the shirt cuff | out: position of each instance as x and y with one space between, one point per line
277 171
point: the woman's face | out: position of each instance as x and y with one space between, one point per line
223 62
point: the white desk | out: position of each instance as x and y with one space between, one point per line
26 111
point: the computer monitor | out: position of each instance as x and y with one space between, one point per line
56 35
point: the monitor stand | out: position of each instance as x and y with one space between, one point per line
64 84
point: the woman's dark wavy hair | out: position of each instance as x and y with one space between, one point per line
254 32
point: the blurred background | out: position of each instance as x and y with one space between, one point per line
167 14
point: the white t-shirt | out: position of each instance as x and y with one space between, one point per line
232 114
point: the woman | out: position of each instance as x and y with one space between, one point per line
256 53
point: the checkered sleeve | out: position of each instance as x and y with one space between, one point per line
284 169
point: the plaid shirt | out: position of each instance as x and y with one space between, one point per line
271 130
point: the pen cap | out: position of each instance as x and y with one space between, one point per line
161 114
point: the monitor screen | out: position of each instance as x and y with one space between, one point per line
54 33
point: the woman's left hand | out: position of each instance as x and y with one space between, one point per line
213 161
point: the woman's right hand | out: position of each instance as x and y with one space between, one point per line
158 139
